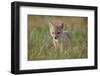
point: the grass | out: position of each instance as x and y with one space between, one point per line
40 45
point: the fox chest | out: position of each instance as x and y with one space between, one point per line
61 43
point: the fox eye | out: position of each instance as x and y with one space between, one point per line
58 32
52 32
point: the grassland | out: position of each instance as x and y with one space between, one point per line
40 45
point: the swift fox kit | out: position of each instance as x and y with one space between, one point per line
61 39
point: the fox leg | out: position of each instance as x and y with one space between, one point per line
55 45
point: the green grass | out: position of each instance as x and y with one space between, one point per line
40 45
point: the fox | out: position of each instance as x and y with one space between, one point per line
61 38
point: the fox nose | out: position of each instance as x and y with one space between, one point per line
55 37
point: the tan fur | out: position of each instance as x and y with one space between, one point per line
61 39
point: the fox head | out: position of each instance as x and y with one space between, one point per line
56 29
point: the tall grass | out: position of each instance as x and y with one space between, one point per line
40 44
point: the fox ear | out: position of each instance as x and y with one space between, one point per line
50 24
62 25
